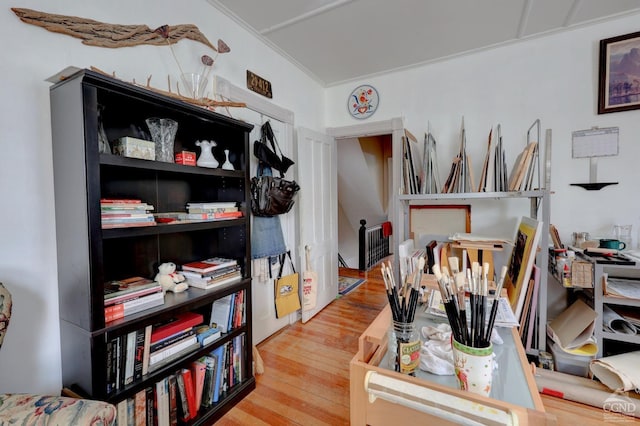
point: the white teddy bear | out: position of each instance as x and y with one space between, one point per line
169 279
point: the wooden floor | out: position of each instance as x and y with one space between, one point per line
306 378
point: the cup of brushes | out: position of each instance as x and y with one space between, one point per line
471 324
404 339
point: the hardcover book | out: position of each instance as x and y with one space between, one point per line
177 324
209 265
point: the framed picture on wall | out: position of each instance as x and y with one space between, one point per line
619 83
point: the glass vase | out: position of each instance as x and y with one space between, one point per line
163 133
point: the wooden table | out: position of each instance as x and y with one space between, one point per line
381 396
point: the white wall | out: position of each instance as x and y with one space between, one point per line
30 357
553 78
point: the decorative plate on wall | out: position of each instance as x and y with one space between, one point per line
363 102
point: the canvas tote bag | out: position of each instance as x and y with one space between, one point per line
286 289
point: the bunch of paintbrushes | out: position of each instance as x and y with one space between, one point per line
404 300
469 328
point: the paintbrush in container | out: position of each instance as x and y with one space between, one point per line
494 305
415 290
446 301
462 305
387 286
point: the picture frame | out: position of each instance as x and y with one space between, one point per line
619 80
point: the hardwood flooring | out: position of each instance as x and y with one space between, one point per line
306 377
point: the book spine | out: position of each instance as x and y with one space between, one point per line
125 297
138 355
173 400
209 381
214 283
122 413
131 307
183 404
168 360
172 339
162 402
151 407
129 360
190 390
160 355
140 400
147 349
109 379
119 361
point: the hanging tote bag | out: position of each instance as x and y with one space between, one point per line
309 284
286 289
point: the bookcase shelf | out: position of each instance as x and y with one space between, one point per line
84 106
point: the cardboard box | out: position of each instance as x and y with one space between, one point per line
187 158
134 147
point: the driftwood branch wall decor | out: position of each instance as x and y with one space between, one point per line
95 33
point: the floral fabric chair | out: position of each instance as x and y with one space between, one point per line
31 409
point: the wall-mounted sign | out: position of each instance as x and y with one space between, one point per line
259 84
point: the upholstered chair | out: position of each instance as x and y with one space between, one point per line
32 409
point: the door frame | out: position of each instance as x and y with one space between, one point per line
394 127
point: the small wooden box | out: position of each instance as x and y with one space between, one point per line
134 147
187 158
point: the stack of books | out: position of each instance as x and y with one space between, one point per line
130 296
211 272
123 213
212 211
174 339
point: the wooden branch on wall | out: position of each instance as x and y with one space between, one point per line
95 33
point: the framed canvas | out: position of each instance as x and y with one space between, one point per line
523 256
444 220
619 83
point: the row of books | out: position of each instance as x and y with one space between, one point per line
203 212
177 398
130 296
127 212
135 354
229 312
124 213
212 272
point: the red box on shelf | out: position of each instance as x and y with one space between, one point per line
187 158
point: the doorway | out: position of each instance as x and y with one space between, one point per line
375 141
364 189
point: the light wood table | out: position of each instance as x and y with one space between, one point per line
381 396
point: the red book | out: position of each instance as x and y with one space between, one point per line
190 390
198 368
227 215
180 323
209 265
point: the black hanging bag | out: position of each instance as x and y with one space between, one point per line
268 155
270 195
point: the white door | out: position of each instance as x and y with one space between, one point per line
318 213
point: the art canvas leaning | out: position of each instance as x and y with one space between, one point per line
521 262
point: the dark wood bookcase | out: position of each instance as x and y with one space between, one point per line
89 256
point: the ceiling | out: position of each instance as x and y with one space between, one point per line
336 41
